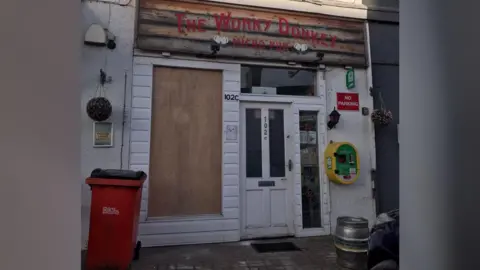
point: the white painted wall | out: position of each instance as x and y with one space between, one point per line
189 230
120 21
355 199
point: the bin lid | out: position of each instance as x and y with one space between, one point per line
118 174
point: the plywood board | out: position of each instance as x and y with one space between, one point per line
186 143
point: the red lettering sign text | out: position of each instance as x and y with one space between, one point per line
225 22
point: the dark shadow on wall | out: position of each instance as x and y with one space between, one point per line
382 10
381 3
384 46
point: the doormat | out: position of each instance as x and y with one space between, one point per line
275 247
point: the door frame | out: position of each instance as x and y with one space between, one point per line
322 141
297 103
289 154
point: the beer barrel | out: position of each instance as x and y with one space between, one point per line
351 242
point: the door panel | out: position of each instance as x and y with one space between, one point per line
255 208
253 125
278 202
266 180
276 143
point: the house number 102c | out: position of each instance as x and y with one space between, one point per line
265 128
231 97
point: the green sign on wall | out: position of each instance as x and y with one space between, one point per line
350 78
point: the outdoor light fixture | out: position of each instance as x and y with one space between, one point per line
334 117
215 48
316 63
96 35
320 56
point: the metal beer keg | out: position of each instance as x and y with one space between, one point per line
351 242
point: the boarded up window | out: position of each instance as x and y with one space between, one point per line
186 143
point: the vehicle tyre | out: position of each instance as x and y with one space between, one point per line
386 265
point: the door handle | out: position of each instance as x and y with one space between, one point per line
290 165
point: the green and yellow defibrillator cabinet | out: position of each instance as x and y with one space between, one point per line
342 163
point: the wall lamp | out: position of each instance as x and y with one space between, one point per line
334 117
215 48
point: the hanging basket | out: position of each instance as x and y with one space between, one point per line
99 109
382 117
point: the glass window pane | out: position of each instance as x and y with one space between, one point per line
254 142
277 143
278 81
311 204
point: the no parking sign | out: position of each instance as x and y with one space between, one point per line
348 102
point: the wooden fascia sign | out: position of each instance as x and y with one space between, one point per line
192 27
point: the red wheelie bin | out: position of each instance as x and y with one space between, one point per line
114 217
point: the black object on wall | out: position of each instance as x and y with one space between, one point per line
384 46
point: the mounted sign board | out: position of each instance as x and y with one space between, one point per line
102 134
348 102
350 78
207 28
231 133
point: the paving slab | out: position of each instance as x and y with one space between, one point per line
317 253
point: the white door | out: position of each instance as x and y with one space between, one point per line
266 170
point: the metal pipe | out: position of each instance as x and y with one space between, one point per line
123 118
371 126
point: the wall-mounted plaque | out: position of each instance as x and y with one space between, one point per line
231 133
102 134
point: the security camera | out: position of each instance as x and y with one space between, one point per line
111 41
111 44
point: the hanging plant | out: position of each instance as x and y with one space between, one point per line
99 108
382 116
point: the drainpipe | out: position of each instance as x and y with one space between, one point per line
123 118
373 153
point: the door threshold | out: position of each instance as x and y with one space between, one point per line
268 238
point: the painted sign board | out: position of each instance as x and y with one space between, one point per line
102 134
348 102
205 28
350 78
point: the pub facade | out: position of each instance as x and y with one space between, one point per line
232 113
